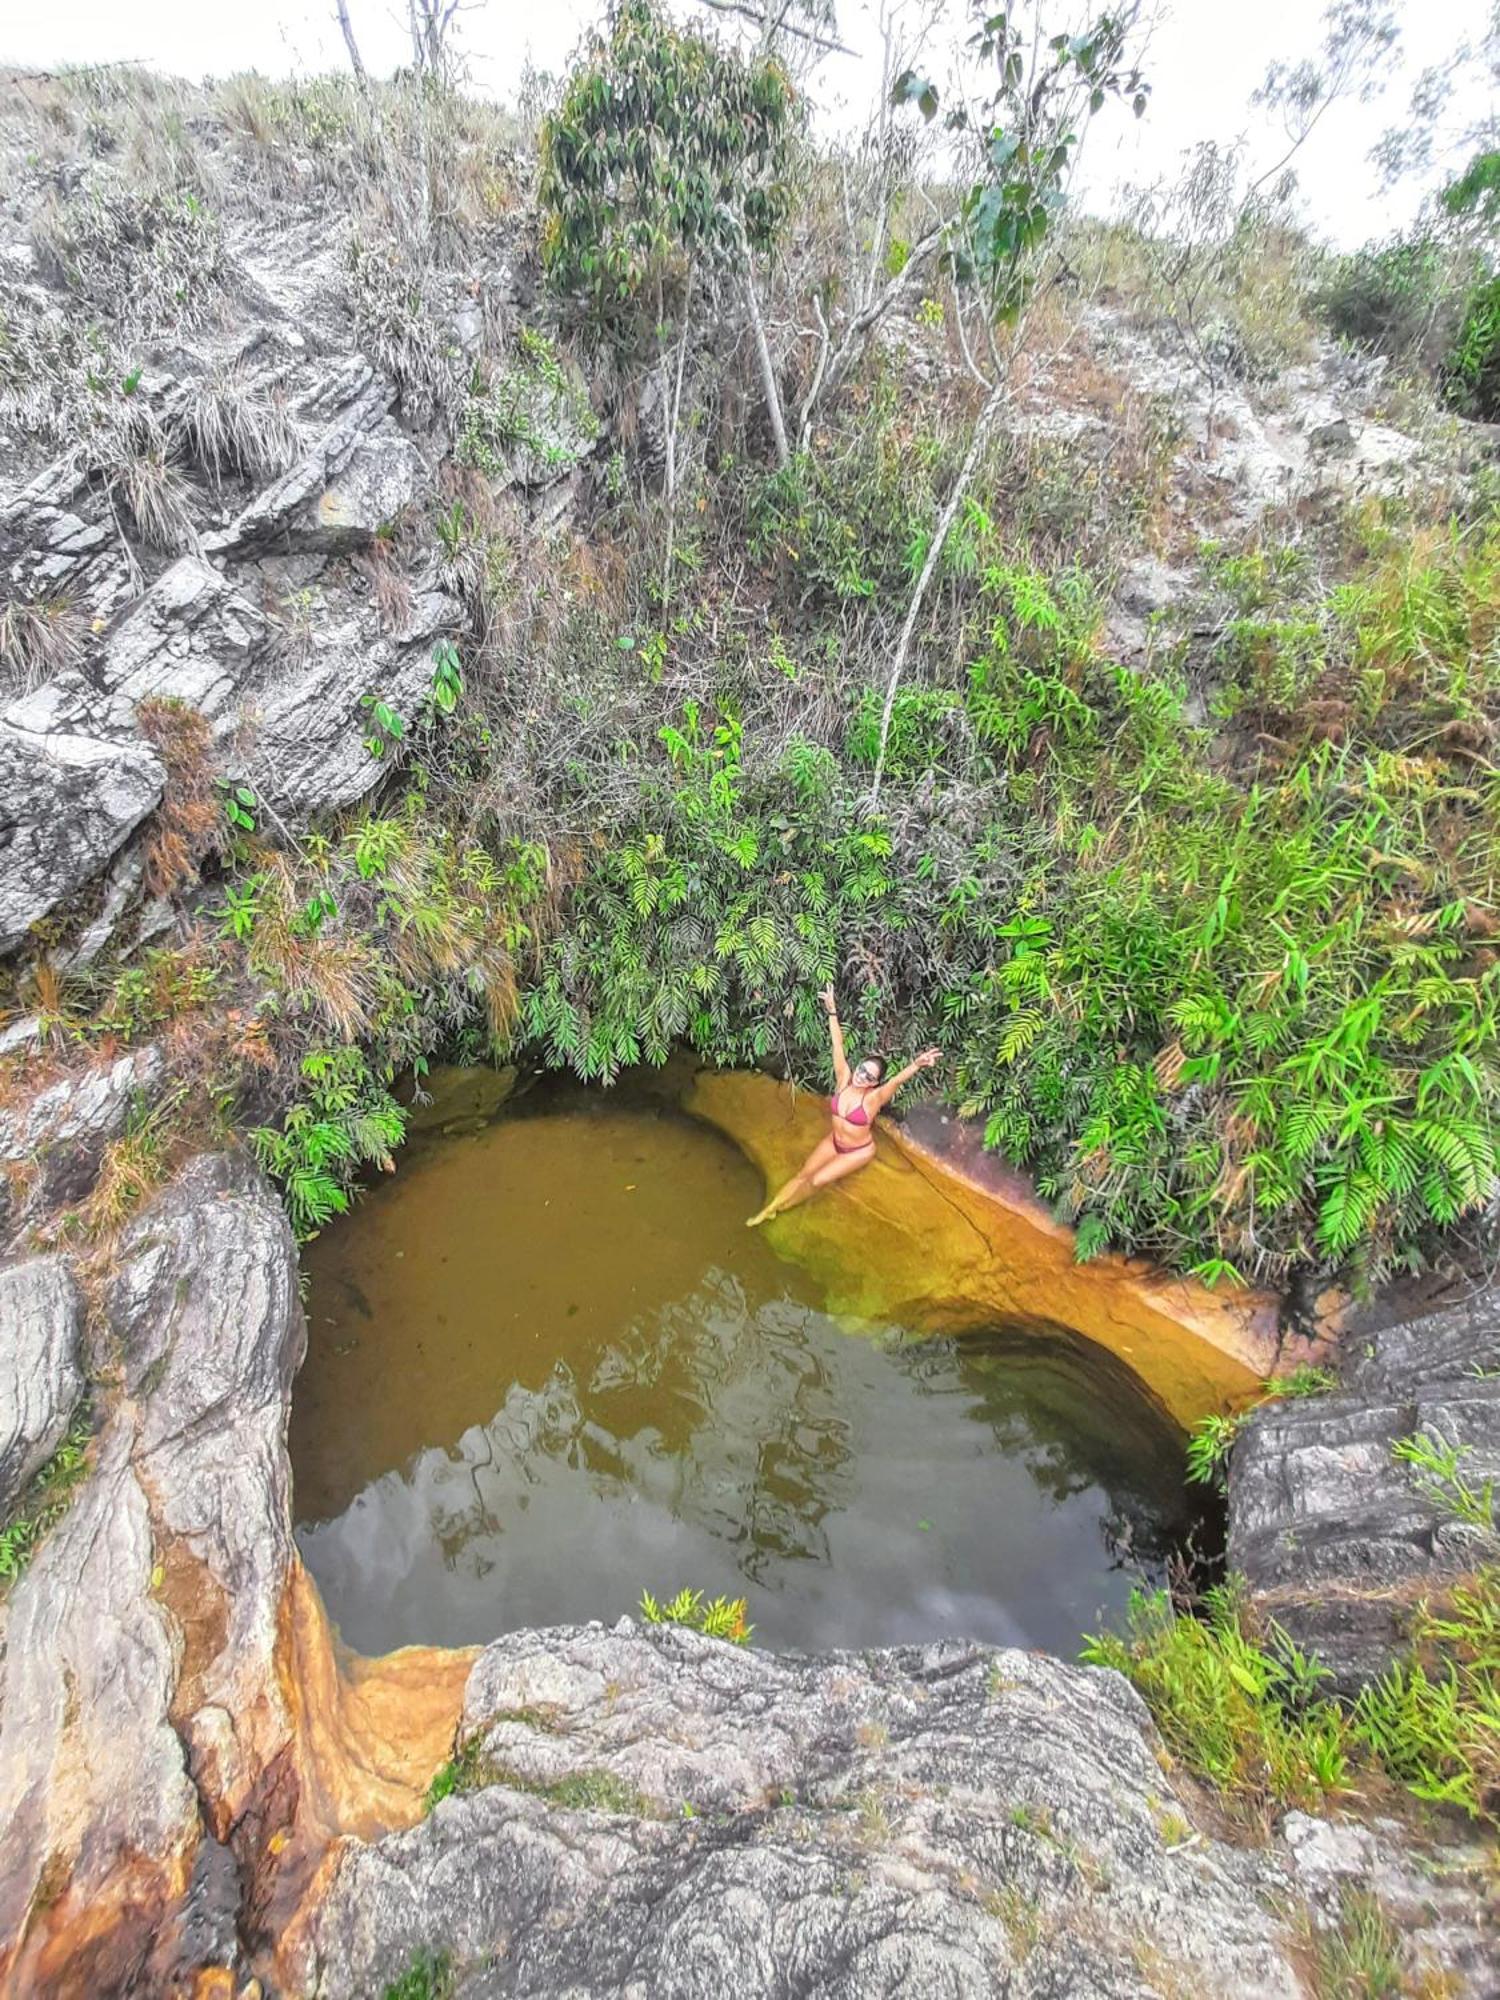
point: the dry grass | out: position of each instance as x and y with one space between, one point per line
188 824
390 586
39 637
230 424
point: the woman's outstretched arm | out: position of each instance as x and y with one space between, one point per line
836 1036
882 1097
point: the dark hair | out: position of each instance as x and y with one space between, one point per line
881 1066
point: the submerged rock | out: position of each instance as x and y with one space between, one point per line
938 1234
1339 1539
671 1814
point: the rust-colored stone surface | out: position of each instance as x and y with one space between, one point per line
941 1235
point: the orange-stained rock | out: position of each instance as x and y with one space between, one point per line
367 1736
942 1236
370 1732
214 1982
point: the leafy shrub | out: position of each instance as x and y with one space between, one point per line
1243 1711
1391 298
1434 1721
1471 369
530 422
343 1120
666 149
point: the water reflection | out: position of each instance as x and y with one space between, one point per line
550 1367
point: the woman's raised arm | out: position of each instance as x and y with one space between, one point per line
836 1036
882 1097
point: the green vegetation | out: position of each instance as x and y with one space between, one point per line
44 1502
1208 937
1436 1464
472 1769
430 1976
1212 1438
1360 1958
468 1770
719 1617
1241 1708
667 150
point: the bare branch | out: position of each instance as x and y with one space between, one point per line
783 26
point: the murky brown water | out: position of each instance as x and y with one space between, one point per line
549 1367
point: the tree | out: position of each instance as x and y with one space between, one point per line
1024 132
356 63
810 22
664 169
1445 120
1359 41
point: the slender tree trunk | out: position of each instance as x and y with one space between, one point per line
767 371
984 424
356 62
673 408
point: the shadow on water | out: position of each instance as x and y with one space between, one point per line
548 1366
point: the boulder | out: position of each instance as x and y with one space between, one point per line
1336 1536
41 1320
51 1146
68 802
362 472
669 1814
101 1821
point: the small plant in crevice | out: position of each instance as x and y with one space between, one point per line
1436 1465
44 1502
1212 1438
467 1770
431 1975
717 1617
1209 1444
1358 1957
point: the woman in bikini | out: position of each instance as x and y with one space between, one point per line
861 1095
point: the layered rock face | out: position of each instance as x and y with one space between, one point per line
155 1743
284 592
675 1816
196 1779
1338 1537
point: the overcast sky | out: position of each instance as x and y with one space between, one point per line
1206 57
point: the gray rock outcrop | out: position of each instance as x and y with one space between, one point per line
51 1146
69 800
139 1705
1338 1538
671 1815
41 1379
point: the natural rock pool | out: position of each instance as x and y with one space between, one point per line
549 1367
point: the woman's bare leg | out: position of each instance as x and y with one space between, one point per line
842 1165
800 1186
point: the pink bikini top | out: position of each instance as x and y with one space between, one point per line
858 1116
